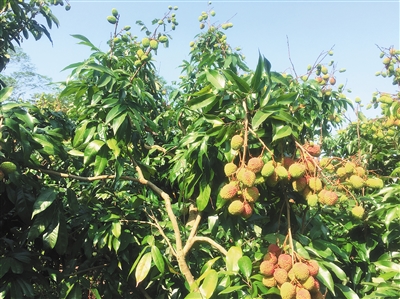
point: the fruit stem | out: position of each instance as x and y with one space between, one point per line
289 229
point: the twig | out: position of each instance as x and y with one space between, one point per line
290 59
158 226
191 241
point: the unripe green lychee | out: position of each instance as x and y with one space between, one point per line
360 171
111 19
341 172
246 177
310 165
301 271
140 53
236 207
297 170
267 268
315 184
8 167
230 168
313 267
285 261
163 39
349 167
146 42
228 191
271 257
324 162
251 194
291 276
303 294
269 281
358 212
274 249
375 183
114 12
324 70
237 142
356 182
259 179
309 284
272 180
288 291
312 200
255 164
268 169
280 275
154 44
299 184
281 172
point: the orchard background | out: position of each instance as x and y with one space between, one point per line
233 183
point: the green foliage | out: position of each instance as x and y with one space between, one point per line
118 195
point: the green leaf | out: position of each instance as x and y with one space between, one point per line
85 41
116 229
260 117
336 269
240 83
91 151
231 289
114 112
5 93
245 266
143 268
204 196
44 200
79 134
256 80
208 99
209 284
325 277
207 266
194 296
282 133
215 78
5 264
75 292
232 258
347 292
158 259
101 161
50 237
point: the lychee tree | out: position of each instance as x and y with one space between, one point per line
228 186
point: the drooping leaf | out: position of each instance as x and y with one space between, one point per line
143 268
44 200
245 266
232 258
209 284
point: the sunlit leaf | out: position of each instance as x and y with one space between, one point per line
143 268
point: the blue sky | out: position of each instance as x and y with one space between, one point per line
354 28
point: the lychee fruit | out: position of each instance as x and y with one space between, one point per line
303 294
313 149
312 200
285 262
341 172
267 268
280 275
237 142
315 184
228 191
255 164
301 271
247 210
309 284
299 184
358 212
327 197
288 291
313 267
251 194
230 168
274 249
287 161
297 170
271 257
145 42
374 183
281 172
356 182
268 169
349 167
246 177
269 281
236 207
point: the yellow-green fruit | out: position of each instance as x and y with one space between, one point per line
140 53
324 70
228 191
280 275
299 184
269 282
301 271
247 210
251 194
202 26
114 12
288 291
315 184
374 183
297 170
291 275
312 200
310 165
360 171
230 168
236 142
328 197
255 164
137 62
8 167
268 169
309 284
146 42
349 167
285 261
246 177
154 44
163 39
341 172
325 161
144 57
313 267
303 294
111 19
236 207
385 99
358 212
267 268
259 179
356 182
281 172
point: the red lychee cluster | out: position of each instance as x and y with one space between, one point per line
296 279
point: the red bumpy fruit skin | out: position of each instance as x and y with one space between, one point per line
303 294
281 275
270 257
313 150
285 262
267 268
246 177
274 249
228 191
251 194
255 164
313 267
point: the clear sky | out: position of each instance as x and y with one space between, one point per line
354 28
